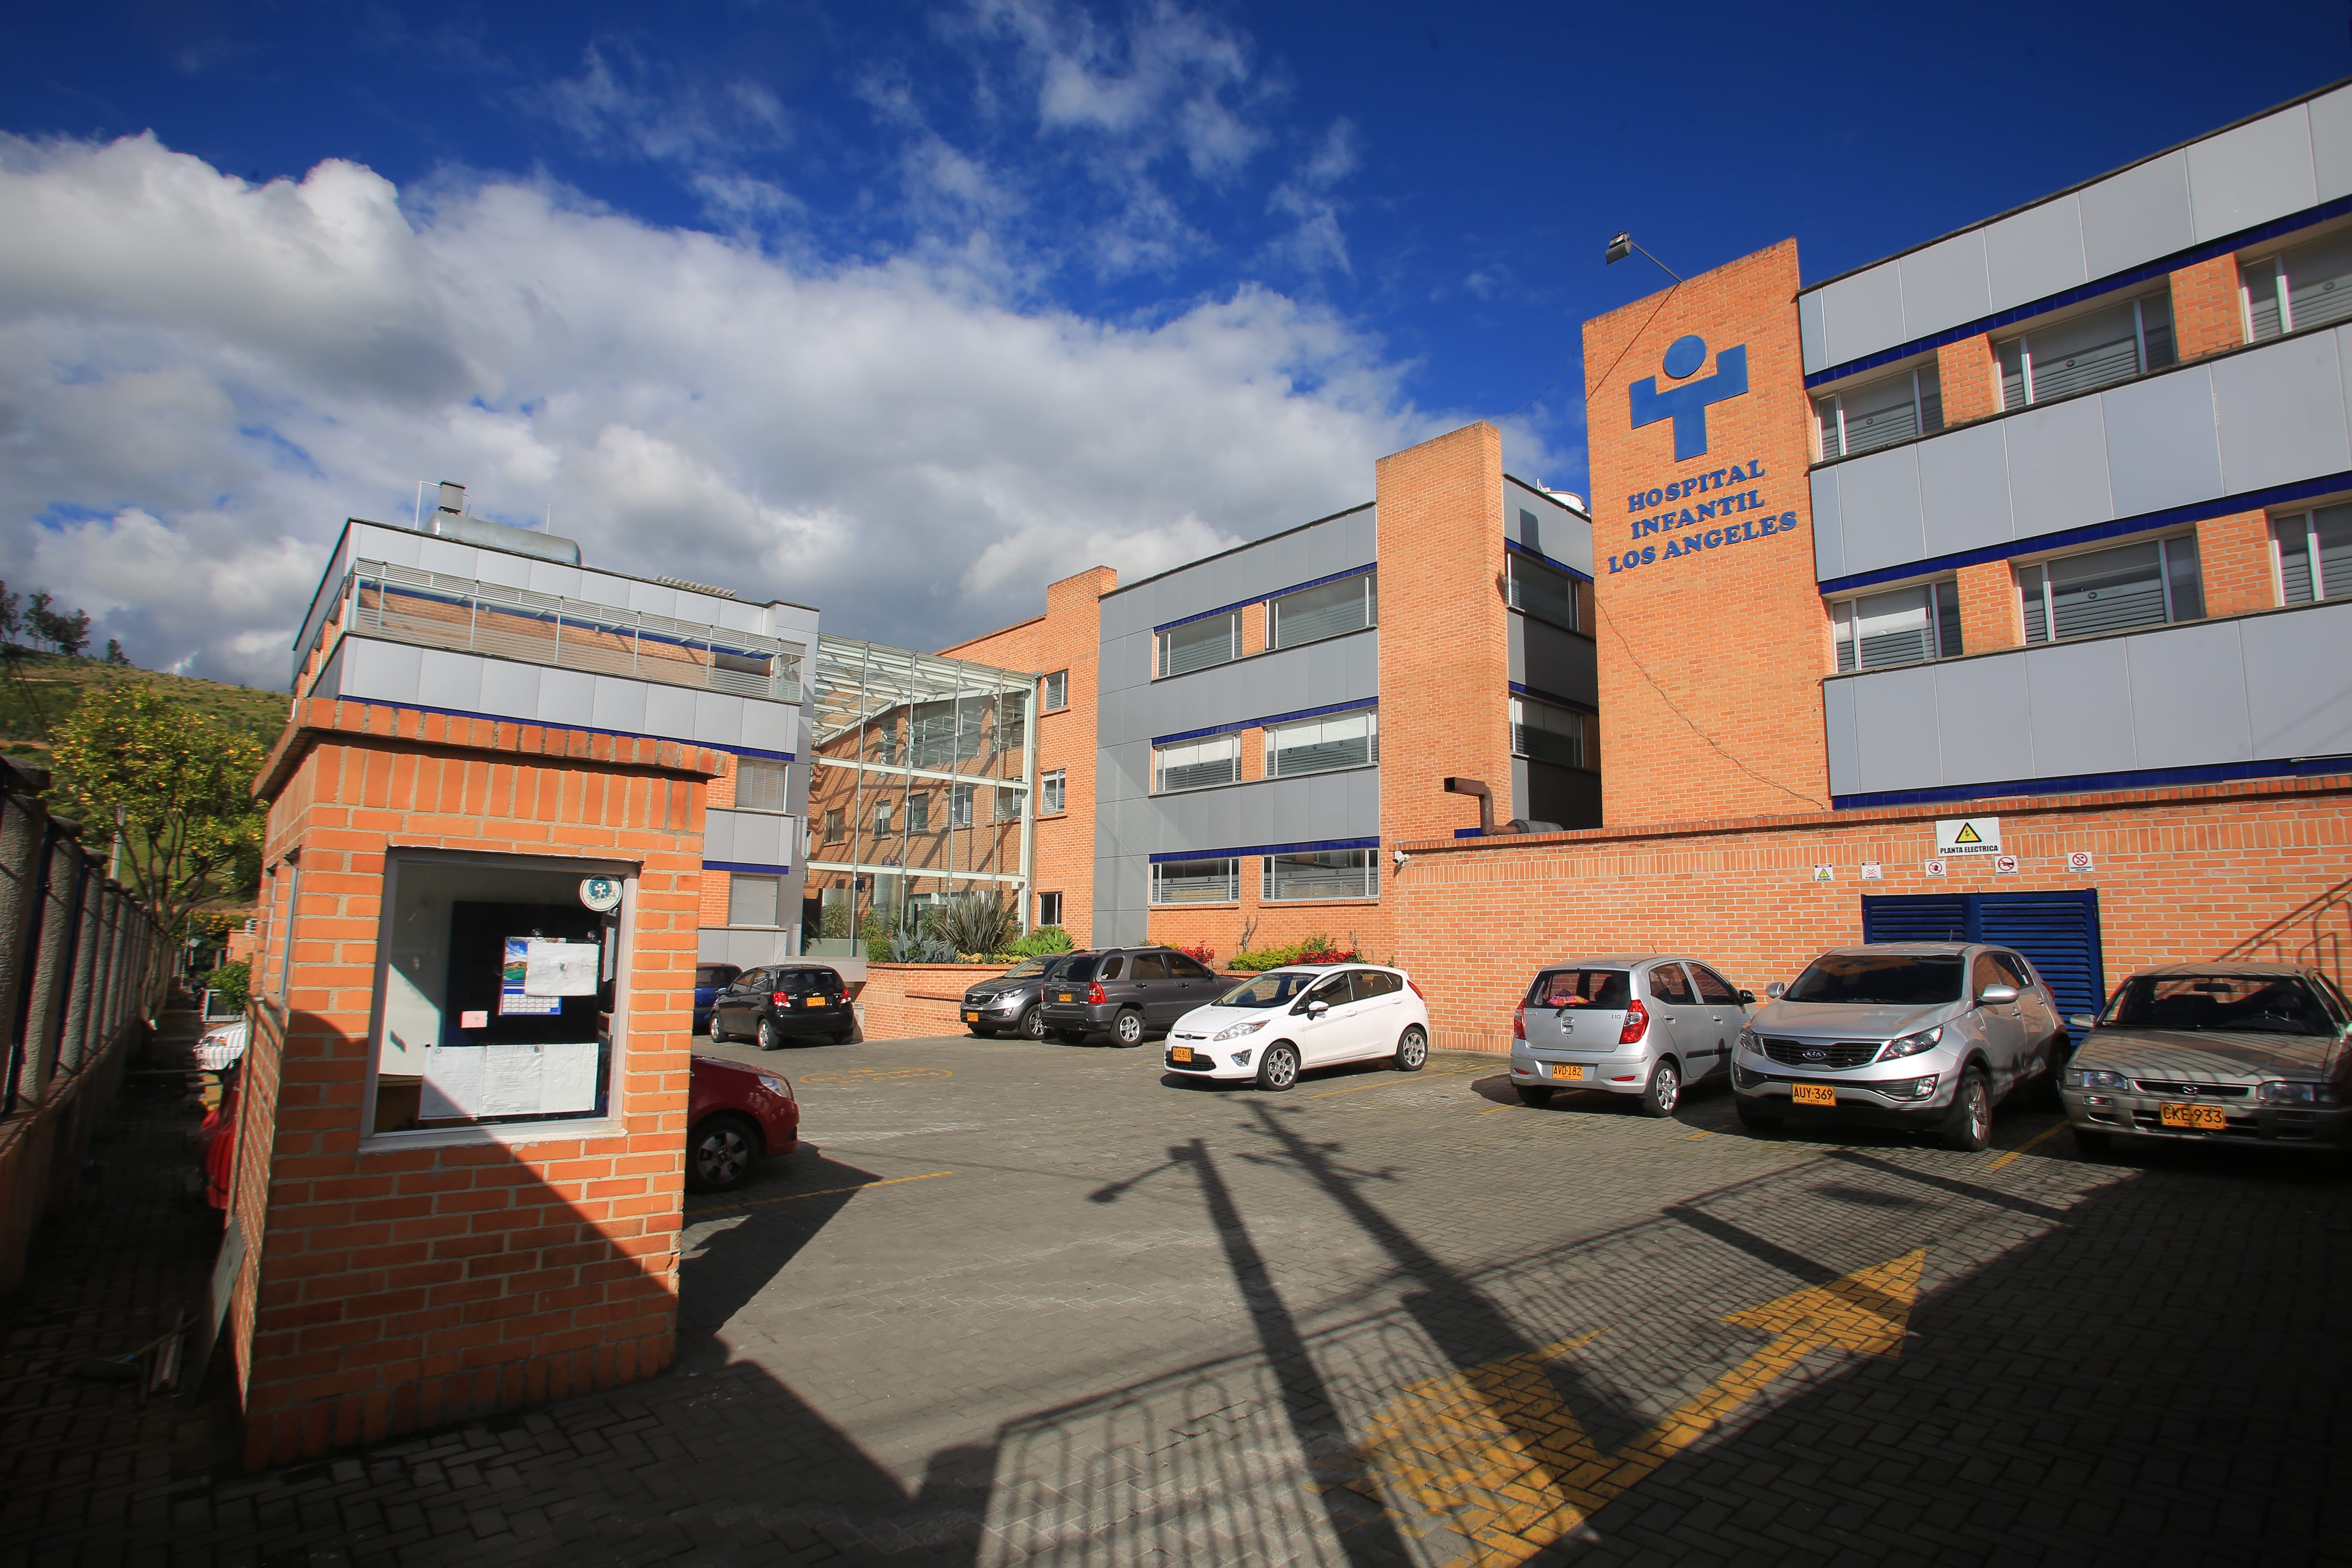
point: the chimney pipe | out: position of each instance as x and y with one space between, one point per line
1485 801
453 498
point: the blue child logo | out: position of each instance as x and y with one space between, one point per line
1686 406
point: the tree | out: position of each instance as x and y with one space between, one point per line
114 654
192 833
68 634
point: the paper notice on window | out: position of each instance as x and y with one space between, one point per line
513 978
486 1082
453 1083
511 1080
568 1080
561 968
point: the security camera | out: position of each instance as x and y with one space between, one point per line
1401 858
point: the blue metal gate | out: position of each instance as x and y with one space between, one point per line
2059 932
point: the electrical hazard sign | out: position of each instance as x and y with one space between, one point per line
1968 835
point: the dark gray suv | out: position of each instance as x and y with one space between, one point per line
1125 991
1008 1004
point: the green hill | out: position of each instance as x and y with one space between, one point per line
54 684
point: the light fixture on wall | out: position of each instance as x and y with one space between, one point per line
1401 858
1623 247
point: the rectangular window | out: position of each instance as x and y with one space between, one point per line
1196 644
959 806
2085 352
1314 614
919 813
1323 874
759 783
2315 550
753 900
1196 882
1545 732
2309 286
1548 596
1903 627
1058 691
1318 745
881 820
1881 413
1193 764
2116 590
1049 788
1049 908
1012 722
833 825
1008 802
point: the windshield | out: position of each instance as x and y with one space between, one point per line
1602 988
1879 979
2258 1003
1030 968
1081 968
1275 990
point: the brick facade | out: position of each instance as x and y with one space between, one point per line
1969 378
2206 317
1990 614
2234 557
394 1282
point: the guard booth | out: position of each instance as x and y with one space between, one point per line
462 1124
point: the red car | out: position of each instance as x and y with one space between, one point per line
735 1116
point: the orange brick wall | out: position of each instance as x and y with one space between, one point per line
2205 315
1970 380
1991 615
1710 661
1068 636
1360 924
2234 554
2251 870
396 1285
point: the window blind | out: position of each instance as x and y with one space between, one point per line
1323 874
1193 764
1325 612
1343 741
1198 644
1196 882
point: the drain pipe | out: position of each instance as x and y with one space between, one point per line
1486 801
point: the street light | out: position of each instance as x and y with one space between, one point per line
1623 247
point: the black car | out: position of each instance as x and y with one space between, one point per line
1009 1004
1125 991
785 1001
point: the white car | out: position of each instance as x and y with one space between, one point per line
1272 1025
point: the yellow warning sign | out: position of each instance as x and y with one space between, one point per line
1968 835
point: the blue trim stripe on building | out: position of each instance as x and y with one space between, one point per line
747 866
2074 784
1554 697
1510 544
1262 598
2145 522
1352 705
2147 271
1265 850
558 725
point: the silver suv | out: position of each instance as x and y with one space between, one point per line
1918 1036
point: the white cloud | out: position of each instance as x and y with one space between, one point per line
200 379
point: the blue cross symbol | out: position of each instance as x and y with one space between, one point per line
1686 406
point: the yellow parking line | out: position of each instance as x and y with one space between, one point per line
2038 1139
821 1193
1499 1111
1401 1079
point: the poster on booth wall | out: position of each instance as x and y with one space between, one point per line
529 976
476 1082
560 968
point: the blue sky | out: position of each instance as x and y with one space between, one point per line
904 309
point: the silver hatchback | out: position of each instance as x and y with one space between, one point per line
1642 1024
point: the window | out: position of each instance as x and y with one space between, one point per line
881 820
1050 787
1193 764
1899 627
1323 874
1713 990
1317 746
941 734
1150 966
2314 552
1182 968
1009 801
2112 590
1372 982
833 830
1049 908
1196 882
1668 985
959 806
1196 644
1545 594
1012 722
753 900
1542 733
919 813
1881 412
759 783
1312 614
1058 691
2077 354
2309 286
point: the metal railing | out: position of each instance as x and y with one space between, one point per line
465 615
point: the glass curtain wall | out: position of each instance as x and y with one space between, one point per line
922 773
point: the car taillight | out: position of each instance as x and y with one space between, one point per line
782 999
1095 995
1418 992
1519 1022
1637 1018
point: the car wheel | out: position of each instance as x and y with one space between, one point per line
721 1152
1071 1036
1968 1126
718 1034
2093 1144
1754 1119
769 1038
1535 1097
1128 1028
841 1036
2042 1092
1278 1069
1663 1091
1033 1024
1412 1050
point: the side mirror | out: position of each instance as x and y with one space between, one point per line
1776 991
1318 1007
1997 995
2081 1021
1747 999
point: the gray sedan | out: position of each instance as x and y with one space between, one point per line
2223 1053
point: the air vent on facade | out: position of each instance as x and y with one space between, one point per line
697 587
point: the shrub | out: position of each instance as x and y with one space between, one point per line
232 981
1041 941
974 922
1315 949
1204 954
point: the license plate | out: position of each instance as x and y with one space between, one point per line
1066 996
1569 1072
812 1001
972 1017
2208 1118
1180 1054
1812 1094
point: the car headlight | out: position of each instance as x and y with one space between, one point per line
1748 1040
776 1087
1235 1031
1912 1044
1904 1088
2298 1094
2096 1078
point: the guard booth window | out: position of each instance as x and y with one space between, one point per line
498 996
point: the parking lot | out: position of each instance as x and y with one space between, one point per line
1037 1303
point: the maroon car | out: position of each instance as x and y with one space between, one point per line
736 1116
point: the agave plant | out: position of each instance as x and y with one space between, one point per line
975 922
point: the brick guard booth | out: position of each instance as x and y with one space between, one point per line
463 1126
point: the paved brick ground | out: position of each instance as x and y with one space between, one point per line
1096 1317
